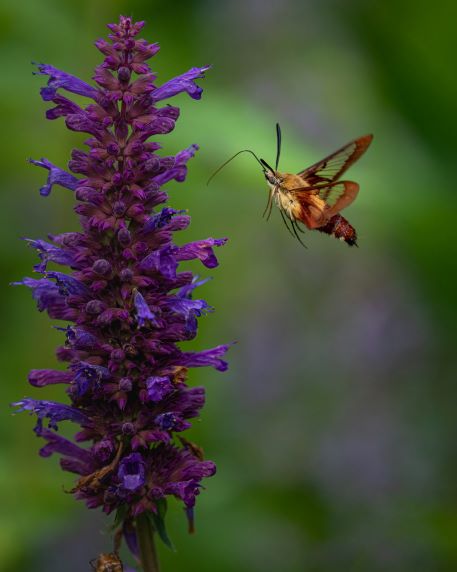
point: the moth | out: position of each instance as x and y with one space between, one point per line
107 563
314 197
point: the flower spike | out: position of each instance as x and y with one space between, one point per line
125 303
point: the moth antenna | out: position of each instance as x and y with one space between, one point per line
231 159
278 145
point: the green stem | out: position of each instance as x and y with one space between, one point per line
148 554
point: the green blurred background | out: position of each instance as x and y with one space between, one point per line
334 428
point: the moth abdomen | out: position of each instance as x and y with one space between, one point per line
340 228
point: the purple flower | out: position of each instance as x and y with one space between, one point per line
74 458
158 387
53 411
178 472
49 253
126 304
185 82
47 296
59 79
202 249
42 377
132 472
206 357
56 177
143 312
87 376
187 291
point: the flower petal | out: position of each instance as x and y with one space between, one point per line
88 376
179 169
143 311
56 176
186 291
48 297
43 377
132 472
210 357
158 387
60 79
68 284
52 410
184 82
201 249
58 444
162 261
50 253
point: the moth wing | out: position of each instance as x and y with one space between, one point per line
310 213
333 166
338 196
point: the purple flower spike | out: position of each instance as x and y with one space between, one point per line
125 303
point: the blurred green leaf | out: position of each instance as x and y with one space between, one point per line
158 521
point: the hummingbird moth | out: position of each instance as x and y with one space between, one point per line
314 197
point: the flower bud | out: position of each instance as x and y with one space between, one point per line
124 236
102 267
95 307
126 275
124 73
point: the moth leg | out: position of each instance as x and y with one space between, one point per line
269 212
299 228
284 220
294 226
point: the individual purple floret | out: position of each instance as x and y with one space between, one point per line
126 302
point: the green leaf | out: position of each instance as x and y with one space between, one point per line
120 516
162 507
158 521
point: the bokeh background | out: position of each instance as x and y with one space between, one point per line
334 429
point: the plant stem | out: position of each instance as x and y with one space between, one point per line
148 554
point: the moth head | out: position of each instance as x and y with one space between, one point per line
270 174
